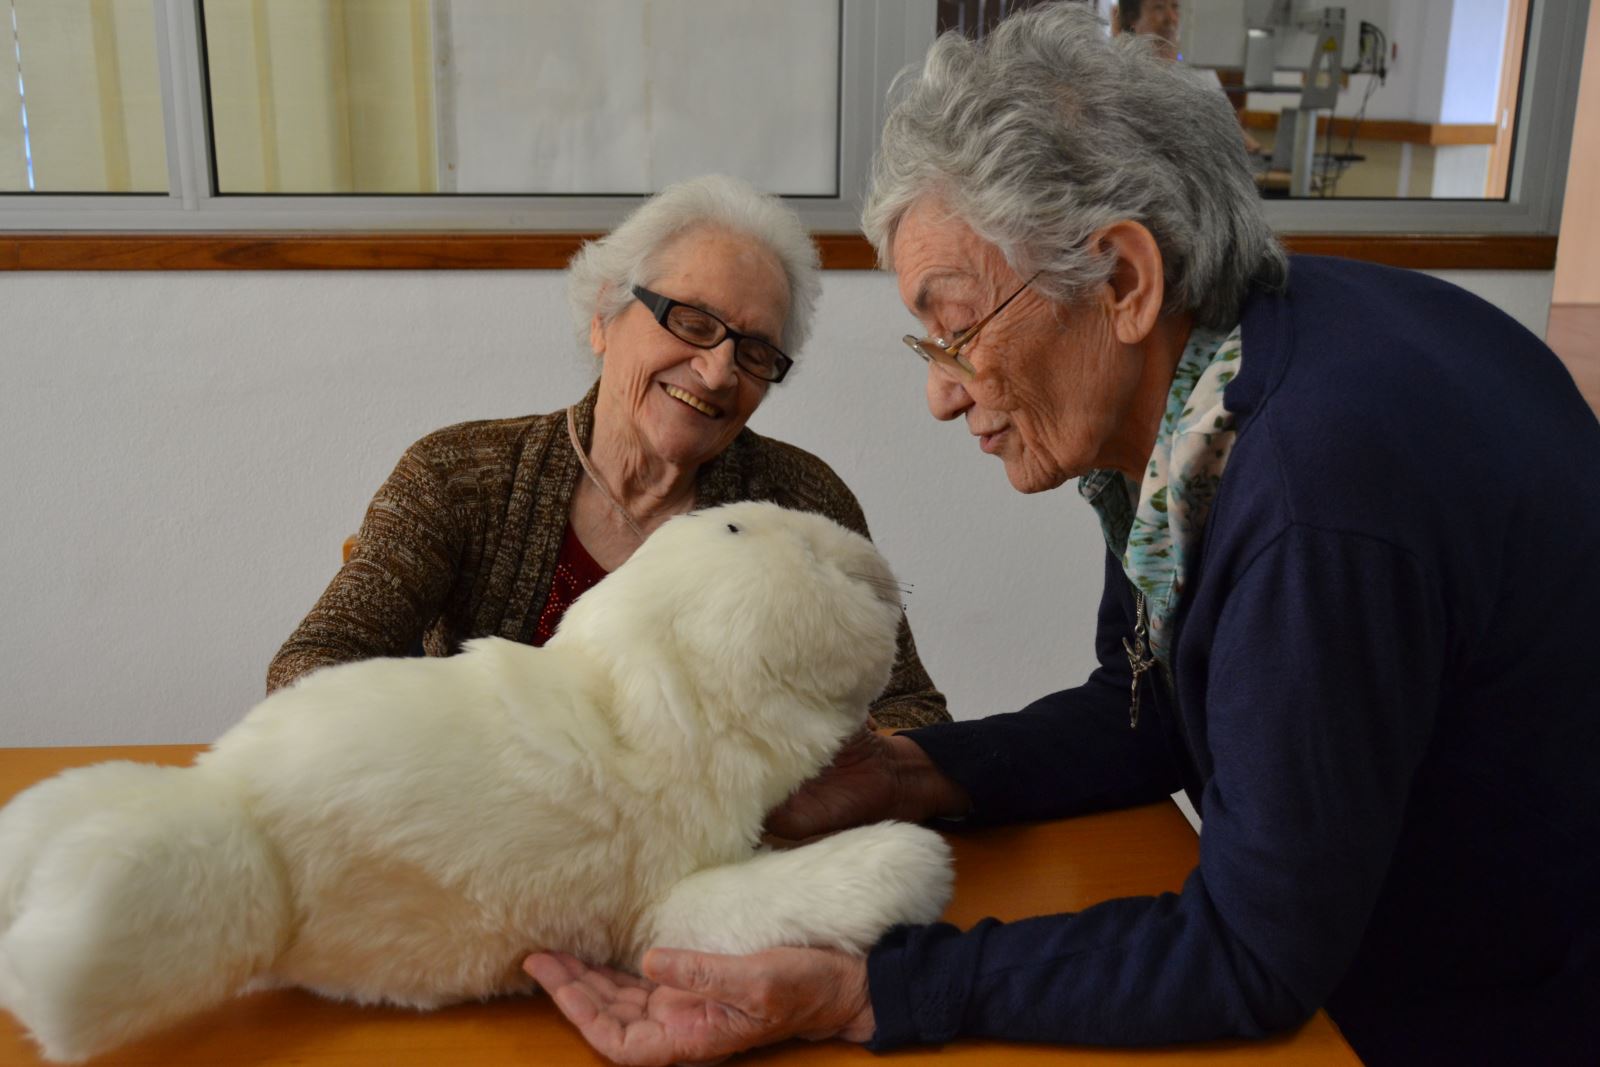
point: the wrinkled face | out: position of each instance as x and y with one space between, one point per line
1050 381
684 405
1160 18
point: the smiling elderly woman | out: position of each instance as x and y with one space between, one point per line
692 306
1352 517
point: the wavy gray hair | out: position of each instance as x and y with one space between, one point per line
601 277
1048 131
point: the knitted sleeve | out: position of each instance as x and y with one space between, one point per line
398 576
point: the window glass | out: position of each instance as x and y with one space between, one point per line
522 96
82 113
1418 98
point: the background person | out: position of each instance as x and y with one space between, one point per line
1352 521
692 306
1161 21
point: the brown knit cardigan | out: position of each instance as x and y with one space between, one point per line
461 542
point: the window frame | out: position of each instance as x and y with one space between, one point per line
878 38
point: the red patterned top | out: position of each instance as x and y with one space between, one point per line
576 572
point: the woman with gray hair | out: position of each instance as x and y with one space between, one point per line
693 306
1352 519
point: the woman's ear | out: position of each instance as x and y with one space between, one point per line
1138 281
597 323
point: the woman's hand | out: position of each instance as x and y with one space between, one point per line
860 786
695 1007
873 777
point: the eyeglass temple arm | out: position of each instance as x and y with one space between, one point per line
954 347
960 339
654 301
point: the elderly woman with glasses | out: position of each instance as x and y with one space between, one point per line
1352 519
692 306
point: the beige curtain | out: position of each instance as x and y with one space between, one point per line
322 96
92 96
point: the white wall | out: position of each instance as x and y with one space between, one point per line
1477 48
627 96
184 454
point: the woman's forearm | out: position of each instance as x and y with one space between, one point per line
923 791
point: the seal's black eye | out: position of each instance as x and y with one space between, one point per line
732 528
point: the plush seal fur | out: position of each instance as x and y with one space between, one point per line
407 830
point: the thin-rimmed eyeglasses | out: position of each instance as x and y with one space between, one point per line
946 355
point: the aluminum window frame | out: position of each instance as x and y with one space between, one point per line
878 39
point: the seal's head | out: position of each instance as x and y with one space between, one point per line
747 611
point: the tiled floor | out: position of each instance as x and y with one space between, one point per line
1575 336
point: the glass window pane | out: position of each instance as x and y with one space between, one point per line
1437 124
522 96
83 112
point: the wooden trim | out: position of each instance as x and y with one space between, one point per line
1506 105
1433 251
1578 273
551 251
845 251
1459 133
290 251
335 251
1436 134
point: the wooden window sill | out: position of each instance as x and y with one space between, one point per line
551 251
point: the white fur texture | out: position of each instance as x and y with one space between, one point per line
407 830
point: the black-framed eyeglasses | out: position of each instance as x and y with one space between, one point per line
946 355
702 329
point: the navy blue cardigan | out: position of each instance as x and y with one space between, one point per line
1386 709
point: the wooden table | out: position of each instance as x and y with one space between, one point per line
1008 873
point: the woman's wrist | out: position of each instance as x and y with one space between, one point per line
860 1023
922 790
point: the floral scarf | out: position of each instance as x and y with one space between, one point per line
1158 537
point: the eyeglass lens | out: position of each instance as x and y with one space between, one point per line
703 330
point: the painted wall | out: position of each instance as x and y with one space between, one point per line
184 454
1477 44
1578 258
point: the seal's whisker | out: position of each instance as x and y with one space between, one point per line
884 585
879 582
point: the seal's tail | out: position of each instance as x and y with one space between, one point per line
130 896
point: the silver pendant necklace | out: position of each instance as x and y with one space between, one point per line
588 468
1139 657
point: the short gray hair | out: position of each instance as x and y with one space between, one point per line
601 277
1048 131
